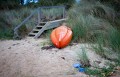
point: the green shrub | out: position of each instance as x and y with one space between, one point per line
6 34
12 18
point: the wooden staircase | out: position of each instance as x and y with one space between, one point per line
40 28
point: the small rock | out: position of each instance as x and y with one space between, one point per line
9 48
37 44
28 41
13 44
47 47
98 62
16 44
56 51
63 58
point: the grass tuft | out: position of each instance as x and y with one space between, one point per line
83 58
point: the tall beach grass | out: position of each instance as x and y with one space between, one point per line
92 22
12 18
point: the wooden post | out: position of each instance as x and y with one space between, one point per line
39 15
63 12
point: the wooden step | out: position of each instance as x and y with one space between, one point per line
39 26
36 29
43 23
32 34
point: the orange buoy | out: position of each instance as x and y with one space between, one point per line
61 36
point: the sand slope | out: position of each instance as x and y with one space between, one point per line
25 58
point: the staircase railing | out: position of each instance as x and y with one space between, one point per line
50 25
38 10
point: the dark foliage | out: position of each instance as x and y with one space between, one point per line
9 4
14 4
114 3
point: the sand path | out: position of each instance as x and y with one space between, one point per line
25 58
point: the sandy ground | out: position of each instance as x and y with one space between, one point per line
25 58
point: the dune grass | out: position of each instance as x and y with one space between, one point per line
83 58
92 22
52 13
103 72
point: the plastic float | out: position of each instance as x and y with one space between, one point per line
61 36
